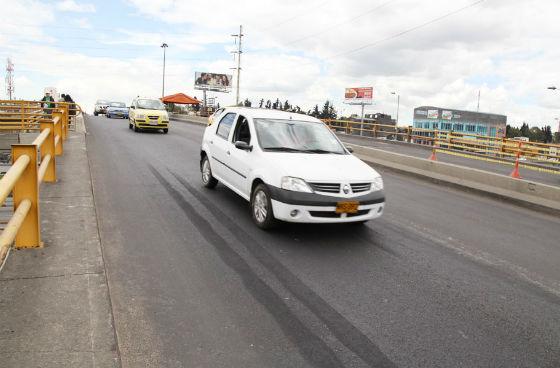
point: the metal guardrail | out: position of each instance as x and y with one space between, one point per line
496 147
32 164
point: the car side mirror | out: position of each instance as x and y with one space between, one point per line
243 146
132 107
349 149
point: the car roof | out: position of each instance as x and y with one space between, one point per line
256 113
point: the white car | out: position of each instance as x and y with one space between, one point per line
291 167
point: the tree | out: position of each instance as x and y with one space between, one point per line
268 104
524 131
536 134
512 132
277 105
547 131
287 106
315 112
261 103
247 103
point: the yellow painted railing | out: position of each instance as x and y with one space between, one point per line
32 164
497 147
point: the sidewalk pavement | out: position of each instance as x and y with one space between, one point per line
55 309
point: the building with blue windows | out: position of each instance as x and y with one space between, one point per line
460 121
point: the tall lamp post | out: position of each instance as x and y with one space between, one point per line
398 105
553 88
163 46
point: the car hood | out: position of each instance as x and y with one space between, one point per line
321 167
151 112
121 109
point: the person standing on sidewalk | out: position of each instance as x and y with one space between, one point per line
48 104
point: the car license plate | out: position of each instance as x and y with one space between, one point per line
347 207
153 122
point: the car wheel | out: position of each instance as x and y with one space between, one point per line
207 179
165 131
261 207
95 113
129 125
136 129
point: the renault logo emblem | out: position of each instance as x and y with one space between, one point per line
346 189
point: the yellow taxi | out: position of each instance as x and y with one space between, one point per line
149 114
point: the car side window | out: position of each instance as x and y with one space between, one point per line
225 125
242 132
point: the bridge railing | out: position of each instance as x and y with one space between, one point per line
504 148
32 164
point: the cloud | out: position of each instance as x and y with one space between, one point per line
72 6
444 63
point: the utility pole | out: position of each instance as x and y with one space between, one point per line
238 52
10 88
478 103
163 46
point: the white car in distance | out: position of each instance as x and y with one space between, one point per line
290 167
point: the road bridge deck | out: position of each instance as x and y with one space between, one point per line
446 278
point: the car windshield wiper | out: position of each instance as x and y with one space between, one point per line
284 149
321 151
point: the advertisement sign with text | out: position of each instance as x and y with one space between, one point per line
359 95
433 114
212 82
447 115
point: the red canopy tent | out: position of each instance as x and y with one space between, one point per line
180 99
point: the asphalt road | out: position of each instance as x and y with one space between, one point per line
444 279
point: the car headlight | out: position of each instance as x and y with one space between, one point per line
377 183
165 117
295 184
141 116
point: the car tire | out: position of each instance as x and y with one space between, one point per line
129 125
95 113
208 181
136 129
261 207
165 131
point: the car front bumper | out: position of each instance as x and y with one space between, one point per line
142 124
118 114
317 208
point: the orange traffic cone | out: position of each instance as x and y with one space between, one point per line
433 155
515 172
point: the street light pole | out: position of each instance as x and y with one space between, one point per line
163 46
398 105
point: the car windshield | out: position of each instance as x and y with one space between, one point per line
296 136
150 105
102 102
117 104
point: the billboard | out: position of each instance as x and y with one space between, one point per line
447 115
360 95
433 114
212 82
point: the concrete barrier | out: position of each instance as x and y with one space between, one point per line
519 190
189 118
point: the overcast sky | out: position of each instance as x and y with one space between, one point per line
303 51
